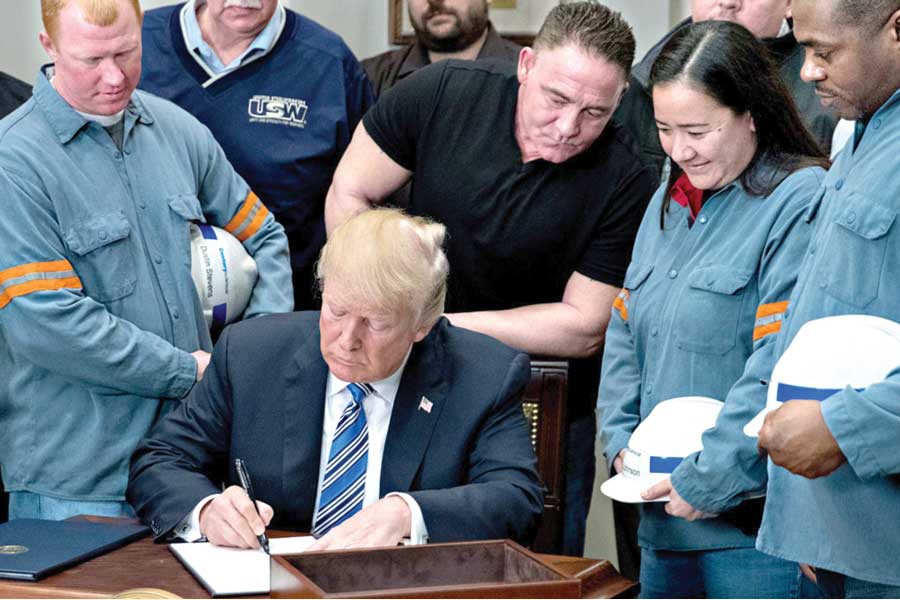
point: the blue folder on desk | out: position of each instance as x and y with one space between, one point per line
31 549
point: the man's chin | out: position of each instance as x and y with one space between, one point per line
108 109
560 154
451 41
346 371
838 107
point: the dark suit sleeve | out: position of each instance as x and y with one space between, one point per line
179 462
502 497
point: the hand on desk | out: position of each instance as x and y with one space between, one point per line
230 520
384 523
796 437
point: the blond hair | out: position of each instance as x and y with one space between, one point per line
391 261
102 13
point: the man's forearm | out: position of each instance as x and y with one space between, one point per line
364 177
340 206
555 329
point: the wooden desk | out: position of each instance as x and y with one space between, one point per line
143 564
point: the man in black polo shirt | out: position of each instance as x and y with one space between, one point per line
540 196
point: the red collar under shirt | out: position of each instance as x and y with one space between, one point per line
685 194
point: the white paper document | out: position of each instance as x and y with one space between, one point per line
231 571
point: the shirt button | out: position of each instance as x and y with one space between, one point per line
812 249
839 184
102 235
823 285
851 216
702 220
176 314
876 124
673 274
157 259
649 388
654 332
142 205
118 156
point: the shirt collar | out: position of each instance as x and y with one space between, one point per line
65 121
386 388
417 57
193 37
888 104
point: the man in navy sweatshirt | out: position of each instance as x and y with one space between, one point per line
281 94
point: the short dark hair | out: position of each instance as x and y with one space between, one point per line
727 63
593 28
867 15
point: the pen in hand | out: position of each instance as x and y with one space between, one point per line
244 478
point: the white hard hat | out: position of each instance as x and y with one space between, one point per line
829 354
673 430
224 274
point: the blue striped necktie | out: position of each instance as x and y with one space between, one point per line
344 484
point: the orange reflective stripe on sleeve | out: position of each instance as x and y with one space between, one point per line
248 219
619 304
38 267
768 319
764 330
766 310
255 224
36 277
238 219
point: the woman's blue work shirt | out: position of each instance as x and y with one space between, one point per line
698 316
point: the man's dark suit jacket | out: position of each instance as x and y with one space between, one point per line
468 462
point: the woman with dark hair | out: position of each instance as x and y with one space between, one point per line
714 263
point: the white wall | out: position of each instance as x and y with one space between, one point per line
362 23
20 52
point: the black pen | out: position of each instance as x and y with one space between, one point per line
248 487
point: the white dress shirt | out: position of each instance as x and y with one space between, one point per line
378 406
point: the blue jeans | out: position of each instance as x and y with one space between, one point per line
835 585
26 505
730 573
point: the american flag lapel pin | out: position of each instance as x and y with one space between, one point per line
425 404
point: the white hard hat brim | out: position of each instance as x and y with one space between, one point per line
628 489
751 429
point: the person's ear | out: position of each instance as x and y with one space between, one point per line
47 43
788 11
422 331
895 27
527 57
622 95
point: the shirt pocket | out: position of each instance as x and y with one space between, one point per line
635 277
104 258
708 315
851 270
184 210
